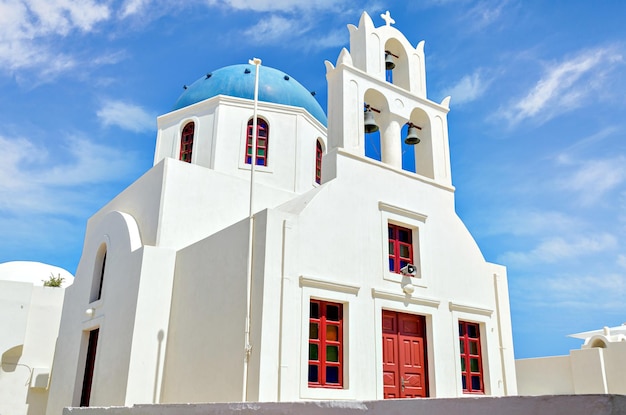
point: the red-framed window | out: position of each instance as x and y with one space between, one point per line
325 344
318 162
186 142
400 247
262 142
471 359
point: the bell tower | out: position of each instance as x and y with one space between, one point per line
386 76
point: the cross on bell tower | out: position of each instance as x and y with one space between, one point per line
387 18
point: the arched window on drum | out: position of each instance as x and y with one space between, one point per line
262 142
186 142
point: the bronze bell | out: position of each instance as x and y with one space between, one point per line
411 136
389 63
369 122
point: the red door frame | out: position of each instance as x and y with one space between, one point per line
90 363
405 371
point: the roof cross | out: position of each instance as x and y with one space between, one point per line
387 18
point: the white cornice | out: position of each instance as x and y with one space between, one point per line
402 211
315 282
202 106
387 295
469 309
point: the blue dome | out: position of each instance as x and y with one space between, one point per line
238 81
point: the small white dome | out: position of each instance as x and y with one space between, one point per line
33 272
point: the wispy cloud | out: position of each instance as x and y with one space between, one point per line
333 38
621 261
530 222
128 116
593 139
556 249
468 89
294 20
28 28
564 86
592 179
34 181
581 291
275 28
133 7
279 5
484 13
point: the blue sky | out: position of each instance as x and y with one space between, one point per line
537 124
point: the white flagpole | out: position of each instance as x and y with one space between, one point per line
248 347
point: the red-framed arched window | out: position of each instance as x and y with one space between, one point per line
186 142
318 162
262 142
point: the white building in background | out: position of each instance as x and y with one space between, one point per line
597 367
30 315
163 310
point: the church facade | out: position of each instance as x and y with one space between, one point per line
330 275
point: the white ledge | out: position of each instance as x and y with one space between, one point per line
401 211
329 285
428 302
367 160
470 309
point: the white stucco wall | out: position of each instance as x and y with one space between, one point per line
220 140
204 359
29 321
113 314
294 261
584 371
456 283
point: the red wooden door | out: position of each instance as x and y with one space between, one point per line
404 356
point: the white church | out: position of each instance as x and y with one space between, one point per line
271 259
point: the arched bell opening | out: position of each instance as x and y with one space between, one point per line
396 64
423 150
375 107
408 150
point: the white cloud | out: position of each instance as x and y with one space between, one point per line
593 179
334 38
621 261
557 249
275 28
484 14
34 181
564 86
28 27
599 291
527 222
468 89
127 116
292 19
133 7
285 6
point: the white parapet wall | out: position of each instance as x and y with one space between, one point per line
597 367
512 405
